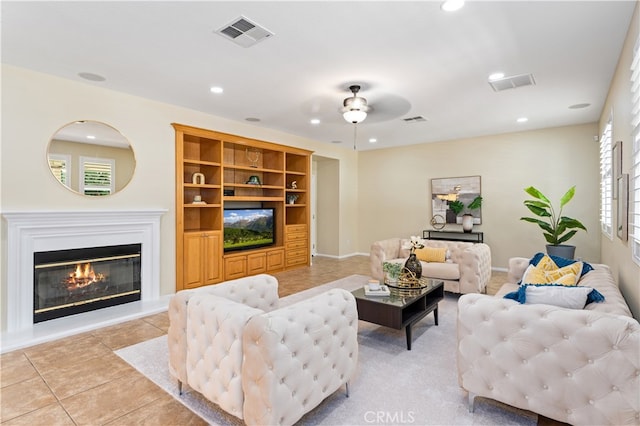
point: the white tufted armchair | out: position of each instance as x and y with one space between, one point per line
269 368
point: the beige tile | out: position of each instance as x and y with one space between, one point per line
160 321
163 411
24 397
14 368
127 334
75 349
52 414
80 376
111 400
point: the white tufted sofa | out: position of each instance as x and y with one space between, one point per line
267 368
579 366
467 271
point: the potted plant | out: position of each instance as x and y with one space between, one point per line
458 206
392 271
557 229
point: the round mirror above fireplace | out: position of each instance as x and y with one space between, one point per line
91 158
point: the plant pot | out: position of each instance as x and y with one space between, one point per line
413 264
561 250
467 222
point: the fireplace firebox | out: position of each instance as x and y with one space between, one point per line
68 282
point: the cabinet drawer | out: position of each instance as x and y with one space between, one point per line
296 236
297 228
298 260
296 253
296 244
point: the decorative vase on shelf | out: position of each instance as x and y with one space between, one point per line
467 222
413 264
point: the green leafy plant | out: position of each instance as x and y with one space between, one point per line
556 228
458 206
393 269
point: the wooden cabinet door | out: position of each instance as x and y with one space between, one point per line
275 260
193 260
235 267
256 263
212 272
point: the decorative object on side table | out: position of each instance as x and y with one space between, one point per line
391 271
438 221
458 206
374 288
413 264
556 228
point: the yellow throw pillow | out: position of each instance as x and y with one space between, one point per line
547 272
432 254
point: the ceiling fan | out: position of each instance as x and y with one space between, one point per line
355 108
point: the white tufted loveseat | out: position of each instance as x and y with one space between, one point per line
579 366
468 269
267 368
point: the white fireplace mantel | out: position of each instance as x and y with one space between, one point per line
36 231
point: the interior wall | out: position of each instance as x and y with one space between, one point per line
36 105
616 252
395 187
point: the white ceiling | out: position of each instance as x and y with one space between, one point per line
411 58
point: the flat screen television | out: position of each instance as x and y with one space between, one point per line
248 228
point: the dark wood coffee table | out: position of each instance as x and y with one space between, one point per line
403 308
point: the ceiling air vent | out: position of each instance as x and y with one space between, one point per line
244 32
512 82
414 119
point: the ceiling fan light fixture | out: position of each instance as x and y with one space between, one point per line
355 108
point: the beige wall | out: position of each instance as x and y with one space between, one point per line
615 252
35 106
395 187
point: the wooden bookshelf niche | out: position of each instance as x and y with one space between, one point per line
215 169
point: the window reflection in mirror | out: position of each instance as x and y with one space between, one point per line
91 158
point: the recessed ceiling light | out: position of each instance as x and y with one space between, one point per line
496 76
91 76
522 120
314 121
579 106
336 141
217 90
452 5
90 137
373 140
252 119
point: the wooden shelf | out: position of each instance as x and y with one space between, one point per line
227 162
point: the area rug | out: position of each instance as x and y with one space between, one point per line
392 385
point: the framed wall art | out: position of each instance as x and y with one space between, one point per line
449 193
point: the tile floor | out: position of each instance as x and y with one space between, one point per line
79 380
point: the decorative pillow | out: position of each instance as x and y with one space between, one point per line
564 276
572 297
560 262
432 254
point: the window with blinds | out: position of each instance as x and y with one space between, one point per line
60 166
634 184
606 181
97 176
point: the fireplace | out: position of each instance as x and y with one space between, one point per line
69 282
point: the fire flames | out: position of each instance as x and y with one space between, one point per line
83 276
